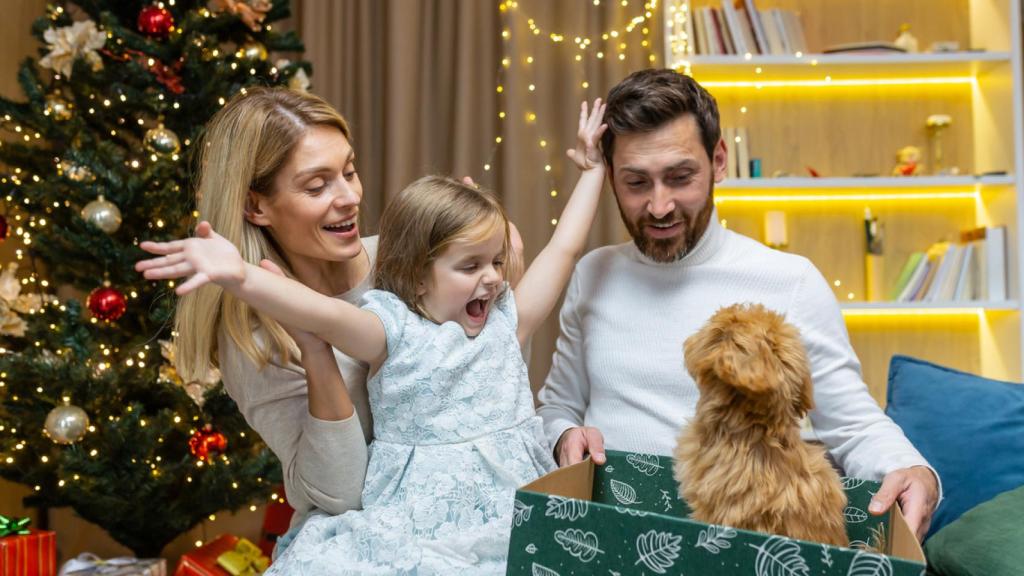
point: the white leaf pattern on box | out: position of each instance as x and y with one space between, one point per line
868 564
631 511
624 493
539 570
851 483
521 513
854 515
715 538
649 464
566 508
609 469
657 550
826 556
531 548
779 556
583 545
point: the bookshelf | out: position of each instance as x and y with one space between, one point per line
845 115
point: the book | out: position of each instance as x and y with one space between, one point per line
772 32
747 28
732 20
780 24
948 287
914 284
905 274
700 31
965 278
990 262
795 31
742 153
758 27
945 262
995 263
719 32
691 38
864 47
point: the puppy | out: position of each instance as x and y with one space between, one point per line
741 461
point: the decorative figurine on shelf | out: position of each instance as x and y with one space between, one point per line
937 124
909 161
906 40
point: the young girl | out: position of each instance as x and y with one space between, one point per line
455 431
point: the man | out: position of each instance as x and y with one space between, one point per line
617 375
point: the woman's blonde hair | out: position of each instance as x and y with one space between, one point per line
422 221
244 147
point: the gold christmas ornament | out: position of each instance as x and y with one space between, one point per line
252 51
66 424
75 172
162 141
57 108
102 214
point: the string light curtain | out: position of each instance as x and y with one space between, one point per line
485 88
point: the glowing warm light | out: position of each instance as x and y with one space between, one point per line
721 196
830 82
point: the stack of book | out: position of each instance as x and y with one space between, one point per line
738 27
969 270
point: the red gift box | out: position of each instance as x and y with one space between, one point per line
276 519
32 554
203 561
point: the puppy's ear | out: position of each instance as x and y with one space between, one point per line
796 371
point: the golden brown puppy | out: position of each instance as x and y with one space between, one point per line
741 461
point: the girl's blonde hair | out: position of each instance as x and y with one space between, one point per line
425 219
244 147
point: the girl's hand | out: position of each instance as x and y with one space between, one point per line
587 154
306 341
206 257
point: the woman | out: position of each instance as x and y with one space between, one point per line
277 178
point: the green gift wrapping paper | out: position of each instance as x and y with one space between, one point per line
635 523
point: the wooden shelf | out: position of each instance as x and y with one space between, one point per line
929 307
869 68
865 183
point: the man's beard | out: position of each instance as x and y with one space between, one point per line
669 250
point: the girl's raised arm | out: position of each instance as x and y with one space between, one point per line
210 258
545 279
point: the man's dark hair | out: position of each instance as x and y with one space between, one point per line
648 99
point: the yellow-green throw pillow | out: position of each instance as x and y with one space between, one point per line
988 540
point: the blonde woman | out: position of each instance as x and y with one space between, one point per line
278 179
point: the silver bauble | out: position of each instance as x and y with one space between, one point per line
76 172
58 108
66 424
102 214
252 51
162 141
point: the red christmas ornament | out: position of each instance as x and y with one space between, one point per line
4 229
207 443
155 22
106 303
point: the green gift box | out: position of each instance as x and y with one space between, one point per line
626 518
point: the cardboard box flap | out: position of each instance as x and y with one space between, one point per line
904 543
576 481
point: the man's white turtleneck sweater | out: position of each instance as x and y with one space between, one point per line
618 363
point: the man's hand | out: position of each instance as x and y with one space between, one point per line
917 491
575 443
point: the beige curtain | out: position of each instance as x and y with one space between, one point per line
418 81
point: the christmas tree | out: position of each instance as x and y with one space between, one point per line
95 160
